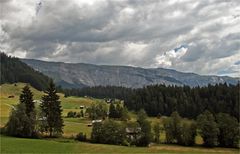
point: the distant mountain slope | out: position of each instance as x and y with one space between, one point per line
13 70
79 75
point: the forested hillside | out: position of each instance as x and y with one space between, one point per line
163 100
13 70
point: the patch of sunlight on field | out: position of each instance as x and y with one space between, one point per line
75 102
15 90
75 125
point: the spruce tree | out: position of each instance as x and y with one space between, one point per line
27 99
112 111
52 111
118 111
145 125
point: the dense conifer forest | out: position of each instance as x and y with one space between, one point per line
163 100
13 70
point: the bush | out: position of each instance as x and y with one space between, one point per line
2 130
108 132
208 129
179 131
72 114
188 133
229 130
20 124
81 137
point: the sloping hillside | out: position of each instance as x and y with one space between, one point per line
13 70
79 75
10 96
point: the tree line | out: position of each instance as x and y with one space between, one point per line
222 130
163 100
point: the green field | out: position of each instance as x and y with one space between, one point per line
74 126
19 145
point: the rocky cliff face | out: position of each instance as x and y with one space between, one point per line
79 75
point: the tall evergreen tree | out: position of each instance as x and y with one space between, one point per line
125 114
146 134
52 111
112 111
119 110
26 98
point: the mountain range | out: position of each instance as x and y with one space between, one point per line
78 75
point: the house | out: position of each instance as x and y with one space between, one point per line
133 133
11 96
42 119
82 107
93 121
89 125
37 101
109 100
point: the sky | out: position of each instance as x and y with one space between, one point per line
199 36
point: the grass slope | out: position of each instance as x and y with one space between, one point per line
68 104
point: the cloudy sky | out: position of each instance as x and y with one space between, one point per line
200 36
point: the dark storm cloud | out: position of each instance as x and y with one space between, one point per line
129 32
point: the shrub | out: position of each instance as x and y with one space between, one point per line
208 129
71 114
19 123
81 137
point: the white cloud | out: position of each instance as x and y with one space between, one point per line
129 32
168 58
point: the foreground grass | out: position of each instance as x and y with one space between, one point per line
20 145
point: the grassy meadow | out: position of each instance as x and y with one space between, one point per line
76 125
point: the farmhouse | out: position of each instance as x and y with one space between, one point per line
93 121
133 133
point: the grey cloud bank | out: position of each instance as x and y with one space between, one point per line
144 33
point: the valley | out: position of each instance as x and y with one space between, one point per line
75 125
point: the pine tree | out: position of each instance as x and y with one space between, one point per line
146 135
51 109
118 111
112 111
27 99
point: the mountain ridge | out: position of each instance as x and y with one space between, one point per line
78 75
